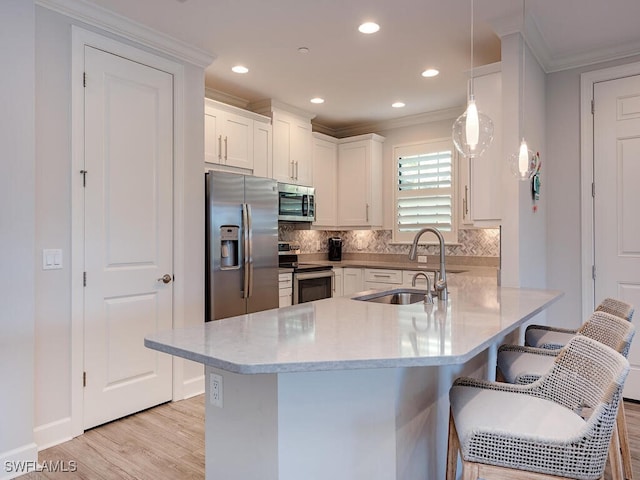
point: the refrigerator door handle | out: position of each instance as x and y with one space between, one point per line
245 249
250 242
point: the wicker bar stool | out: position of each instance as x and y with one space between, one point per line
544 336
523 365
558 426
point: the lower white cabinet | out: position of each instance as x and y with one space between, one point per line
352 280
338 285
285 285
382 279
407 279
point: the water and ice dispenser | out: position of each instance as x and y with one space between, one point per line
229 258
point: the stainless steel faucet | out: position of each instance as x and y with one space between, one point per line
427 298
441 284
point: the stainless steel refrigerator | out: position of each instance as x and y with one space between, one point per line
242 244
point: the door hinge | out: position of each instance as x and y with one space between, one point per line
84 79
84 379
84 279
593 272
84 177
593 107
593 189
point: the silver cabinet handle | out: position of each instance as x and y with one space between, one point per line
379 275
465 202
220 147
296 170
367 212
166 278
226 148
292 170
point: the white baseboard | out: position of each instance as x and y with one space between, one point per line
18 461
53 433
193 386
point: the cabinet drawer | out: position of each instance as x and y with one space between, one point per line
382 276
285 280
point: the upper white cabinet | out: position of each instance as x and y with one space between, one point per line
481 191
291 142
230 135
360 181
325 170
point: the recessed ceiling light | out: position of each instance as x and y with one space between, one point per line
303 50
317 100
430 72
369 27
398 105
239 69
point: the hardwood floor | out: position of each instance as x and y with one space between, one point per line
167 442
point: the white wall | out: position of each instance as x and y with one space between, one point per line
563 187
53 218
523 230
17 225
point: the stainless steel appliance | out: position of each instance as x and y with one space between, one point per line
310 281
335 249
296 203
241 239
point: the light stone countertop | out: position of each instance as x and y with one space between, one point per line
341 333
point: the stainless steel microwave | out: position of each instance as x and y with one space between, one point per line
296 203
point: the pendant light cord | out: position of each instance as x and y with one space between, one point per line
524 51
471 68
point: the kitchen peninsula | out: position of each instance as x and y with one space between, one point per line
342 388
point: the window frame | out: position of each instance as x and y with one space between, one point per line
424 148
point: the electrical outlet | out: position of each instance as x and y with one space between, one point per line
422 259
215 390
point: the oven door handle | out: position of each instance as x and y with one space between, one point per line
310 275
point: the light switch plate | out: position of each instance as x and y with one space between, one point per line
51 259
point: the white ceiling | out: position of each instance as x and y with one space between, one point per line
359 75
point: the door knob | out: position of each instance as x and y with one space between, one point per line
166 278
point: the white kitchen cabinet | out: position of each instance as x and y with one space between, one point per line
352 280
360 181
262 148
237 139
480 186
382 279
291 148
325 170
338 285
285 289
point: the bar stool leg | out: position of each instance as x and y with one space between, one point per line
453 447
624 442
615 458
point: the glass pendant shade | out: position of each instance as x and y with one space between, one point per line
524 163
472 131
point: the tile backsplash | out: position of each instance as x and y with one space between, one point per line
471 242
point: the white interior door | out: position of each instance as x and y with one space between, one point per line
617 200
128 235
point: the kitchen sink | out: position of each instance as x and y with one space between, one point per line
398 296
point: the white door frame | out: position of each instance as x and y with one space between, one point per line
80 38
587 81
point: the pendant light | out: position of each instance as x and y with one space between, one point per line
473 130
524 163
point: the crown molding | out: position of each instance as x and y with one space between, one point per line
124 27
227 98
401 122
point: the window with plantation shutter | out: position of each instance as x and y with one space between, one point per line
424 190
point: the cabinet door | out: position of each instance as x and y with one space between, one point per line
486 170
352 280
325 159
291 149
338 287
353 184
262 150
212 138
237 141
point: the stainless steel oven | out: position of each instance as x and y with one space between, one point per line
310 285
